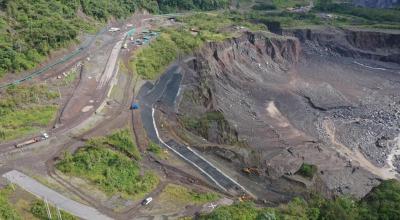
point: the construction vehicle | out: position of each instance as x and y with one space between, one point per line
43 137
245 198
251 171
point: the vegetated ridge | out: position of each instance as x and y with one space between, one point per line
31 30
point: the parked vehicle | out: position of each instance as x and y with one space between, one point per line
43 137
147 201
114 29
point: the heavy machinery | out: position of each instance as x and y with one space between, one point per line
245 198
43 137
251 171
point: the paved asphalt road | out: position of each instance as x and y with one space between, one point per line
54 198
165 90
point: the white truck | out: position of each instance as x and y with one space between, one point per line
147 201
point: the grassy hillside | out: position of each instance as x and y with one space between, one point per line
383 202
112 164
29 30
25 110
150 61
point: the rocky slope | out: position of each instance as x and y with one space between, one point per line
369 44
319 97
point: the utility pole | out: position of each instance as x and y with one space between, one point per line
59 214
47 208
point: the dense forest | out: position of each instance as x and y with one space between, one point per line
29 30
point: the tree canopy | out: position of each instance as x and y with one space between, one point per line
29 30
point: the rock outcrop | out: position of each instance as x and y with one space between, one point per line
376 45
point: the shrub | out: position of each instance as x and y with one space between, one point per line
307 170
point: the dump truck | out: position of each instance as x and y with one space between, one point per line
43 137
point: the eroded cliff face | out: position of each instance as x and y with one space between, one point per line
285 101
383 46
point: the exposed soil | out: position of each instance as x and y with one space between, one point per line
327 97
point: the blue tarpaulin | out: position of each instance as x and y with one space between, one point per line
135 106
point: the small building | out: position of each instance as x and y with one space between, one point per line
114 29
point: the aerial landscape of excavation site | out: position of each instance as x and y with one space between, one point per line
200 109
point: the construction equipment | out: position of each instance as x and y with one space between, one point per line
245 198
251 171
43 137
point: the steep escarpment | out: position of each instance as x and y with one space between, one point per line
279 102
383 46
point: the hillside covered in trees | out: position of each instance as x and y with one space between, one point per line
29 30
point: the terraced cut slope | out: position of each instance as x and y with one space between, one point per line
326 98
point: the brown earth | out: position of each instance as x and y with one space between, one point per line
323 97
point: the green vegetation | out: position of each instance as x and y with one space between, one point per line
383 202
168 6
25 109
38 209
30 30
7 211
157 150
122 141
290 3
307 170
264 6
343 14
371 14
110 170
182 195
152 147
239 211
32 210
286 19
70 78
201 126
152 60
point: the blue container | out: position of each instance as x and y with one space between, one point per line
135 106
